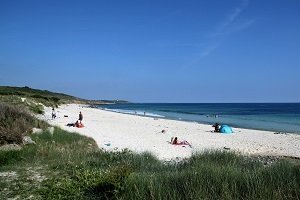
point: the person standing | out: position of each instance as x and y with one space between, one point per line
80 117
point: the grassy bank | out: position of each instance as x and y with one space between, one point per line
34 99
16 122
69 166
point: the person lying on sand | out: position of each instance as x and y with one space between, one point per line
176 142
76 124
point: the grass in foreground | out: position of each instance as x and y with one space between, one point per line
69 166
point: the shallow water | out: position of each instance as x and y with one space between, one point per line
280 117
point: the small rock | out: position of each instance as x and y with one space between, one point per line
28 140
37 131
10 147
51 130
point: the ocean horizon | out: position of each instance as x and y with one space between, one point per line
277 117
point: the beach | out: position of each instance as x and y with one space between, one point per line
116 131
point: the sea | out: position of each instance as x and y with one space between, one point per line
277 117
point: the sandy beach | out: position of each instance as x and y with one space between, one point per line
115 131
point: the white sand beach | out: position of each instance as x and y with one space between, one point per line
115 131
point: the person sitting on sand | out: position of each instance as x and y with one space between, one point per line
176 142
79 124
76 124
217 127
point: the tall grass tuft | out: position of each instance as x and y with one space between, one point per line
15 122
216 175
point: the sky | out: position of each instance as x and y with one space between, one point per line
167 51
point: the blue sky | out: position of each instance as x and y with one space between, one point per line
154 51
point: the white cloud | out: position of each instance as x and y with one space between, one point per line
208 50
235 13
226 28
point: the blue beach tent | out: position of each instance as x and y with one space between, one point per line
225 129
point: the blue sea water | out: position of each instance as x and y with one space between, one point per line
279 117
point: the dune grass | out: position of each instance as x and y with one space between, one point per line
15 122
70 166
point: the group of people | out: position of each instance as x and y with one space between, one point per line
78 123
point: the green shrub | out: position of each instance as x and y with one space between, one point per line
15 122
8 157
37 108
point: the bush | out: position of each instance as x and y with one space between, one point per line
38 109
14 123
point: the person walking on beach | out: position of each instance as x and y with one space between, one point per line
80 117
53 113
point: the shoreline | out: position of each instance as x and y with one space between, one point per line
115 131
199 122
259 121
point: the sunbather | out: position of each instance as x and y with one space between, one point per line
176 142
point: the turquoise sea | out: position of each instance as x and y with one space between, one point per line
277 117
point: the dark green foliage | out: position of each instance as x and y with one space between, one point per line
37 109
45 97
9 157
13 157
26 91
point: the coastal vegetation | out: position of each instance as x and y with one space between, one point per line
16 122
64 165
34 99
